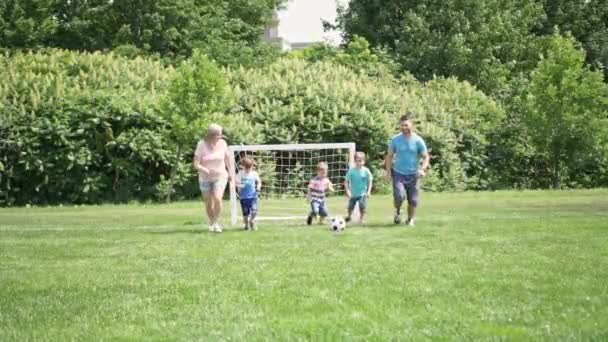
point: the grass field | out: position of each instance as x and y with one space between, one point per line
511 265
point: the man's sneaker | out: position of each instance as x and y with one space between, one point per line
347 219
397 218
309 220
409 222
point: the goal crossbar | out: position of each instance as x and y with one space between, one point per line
291 147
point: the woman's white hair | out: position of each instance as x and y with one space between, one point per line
214 129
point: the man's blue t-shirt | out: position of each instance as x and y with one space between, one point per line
406 153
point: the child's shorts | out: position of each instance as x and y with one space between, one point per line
249 206
362 200
318 208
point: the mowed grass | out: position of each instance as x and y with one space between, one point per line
510 265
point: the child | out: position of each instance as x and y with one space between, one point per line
316 194
249 184
358 185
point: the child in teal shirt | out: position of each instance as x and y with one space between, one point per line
358 185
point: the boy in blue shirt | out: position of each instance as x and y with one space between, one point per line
404 152
249 184
358 185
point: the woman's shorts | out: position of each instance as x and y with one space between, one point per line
214 185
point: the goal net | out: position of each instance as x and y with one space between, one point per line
285 171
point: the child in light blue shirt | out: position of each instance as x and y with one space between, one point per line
358 185
249 184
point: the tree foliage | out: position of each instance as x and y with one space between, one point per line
359 57
567 110
482 41
170 29
587 21
197 96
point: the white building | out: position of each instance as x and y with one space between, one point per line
300 24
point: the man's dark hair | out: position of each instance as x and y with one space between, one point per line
406 116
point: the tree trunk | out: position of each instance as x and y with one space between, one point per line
556 179
173 172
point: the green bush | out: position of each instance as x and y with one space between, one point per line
299 102
90 128
86 150
81 128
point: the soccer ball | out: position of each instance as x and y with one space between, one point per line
337 224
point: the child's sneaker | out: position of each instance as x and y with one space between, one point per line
309 220
218 228
252 225
211 228
347 219
409 222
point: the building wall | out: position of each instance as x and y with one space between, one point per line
299 24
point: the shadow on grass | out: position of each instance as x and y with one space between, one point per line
375 225
178 231
191 223
200 230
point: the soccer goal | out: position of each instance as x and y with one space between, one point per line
285 171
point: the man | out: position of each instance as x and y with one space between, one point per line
404 152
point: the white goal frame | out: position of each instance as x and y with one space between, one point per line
234 216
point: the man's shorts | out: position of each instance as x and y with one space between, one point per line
362 200
214 185
249 206
405 186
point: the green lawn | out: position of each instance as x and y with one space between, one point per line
512 265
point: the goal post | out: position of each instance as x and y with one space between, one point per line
285 170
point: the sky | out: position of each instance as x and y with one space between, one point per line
301 21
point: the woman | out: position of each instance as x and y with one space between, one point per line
213 163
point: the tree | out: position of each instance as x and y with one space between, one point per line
198 90
26 23
587 21
482 41
170 29
567 107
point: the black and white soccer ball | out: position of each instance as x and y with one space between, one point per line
337 224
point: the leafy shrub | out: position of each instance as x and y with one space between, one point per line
83 151
299 102
81 128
